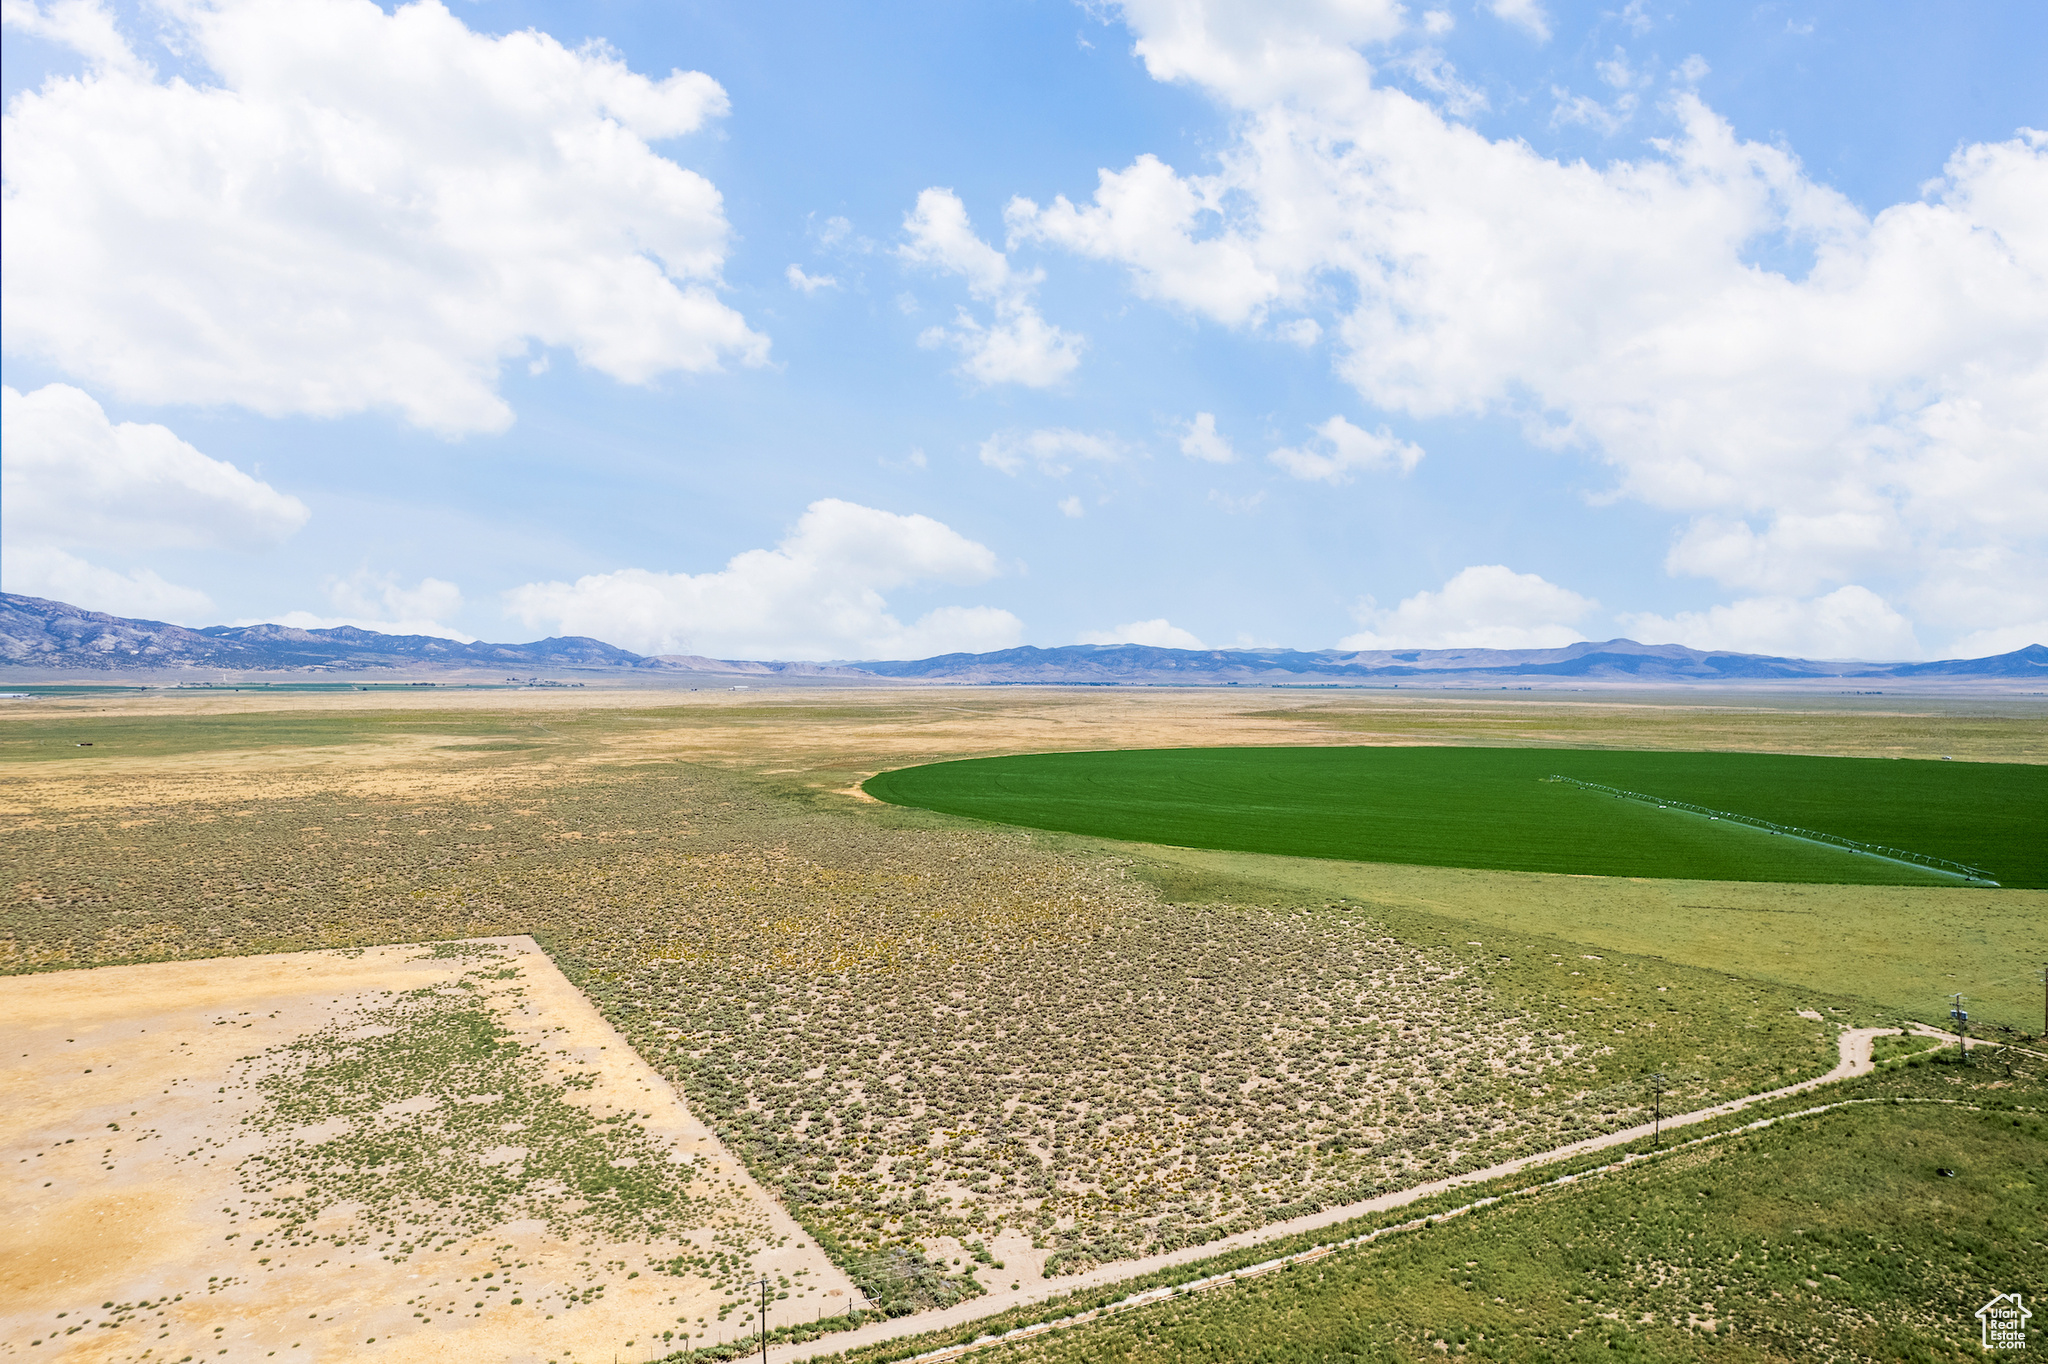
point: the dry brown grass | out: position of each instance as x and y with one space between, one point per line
449 742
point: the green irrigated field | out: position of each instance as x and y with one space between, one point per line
1493 808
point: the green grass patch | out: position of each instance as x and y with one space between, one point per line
1492 808
71 737
1902 1047
1902 949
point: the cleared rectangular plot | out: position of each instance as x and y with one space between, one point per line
403 1153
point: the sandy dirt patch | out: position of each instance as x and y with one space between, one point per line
187 1177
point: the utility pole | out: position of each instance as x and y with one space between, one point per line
2044 1003
764 1319
1658 1084
1961 1017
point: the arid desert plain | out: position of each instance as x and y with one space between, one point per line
522 1025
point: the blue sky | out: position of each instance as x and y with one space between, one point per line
890 330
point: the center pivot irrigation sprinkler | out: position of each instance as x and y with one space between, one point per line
1883 853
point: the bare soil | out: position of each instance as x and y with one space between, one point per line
141 1224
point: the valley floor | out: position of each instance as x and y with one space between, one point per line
960 1056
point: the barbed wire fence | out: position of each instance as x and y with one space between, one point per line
1877 850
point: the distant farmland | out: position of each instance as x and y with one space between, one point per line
1493 808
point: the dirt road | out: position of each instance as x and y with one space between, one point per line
1854 1047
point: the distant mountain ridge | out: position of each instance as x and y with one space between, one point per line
35 632
1609 660
38 633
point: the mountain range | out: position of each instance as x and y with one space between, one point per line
42 634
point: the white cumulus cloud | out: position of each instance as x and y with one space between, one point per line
1342 450
1260 53
1587 112
1433 71
1152 219
1796 552
70 479
45 571
1018 346
2004 640
1159 634
379 602
1526 15
1486 606
84 26
1199 439
816 595
1888 403
1850 622
356 210
1052 450
809 284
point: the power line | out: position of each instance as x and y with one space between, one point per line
764 1319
